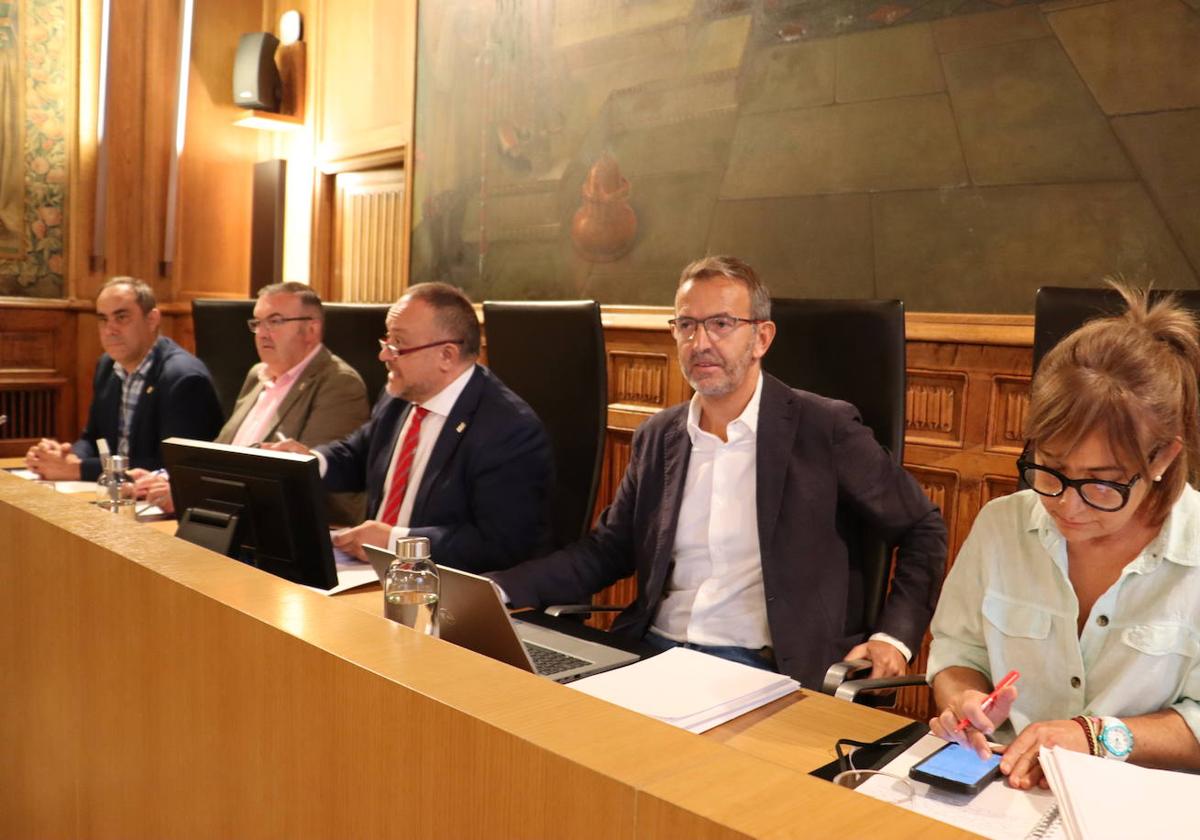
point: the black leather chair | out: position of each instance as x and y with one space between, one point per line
1058 311
352 331
851 350
552 355
225 345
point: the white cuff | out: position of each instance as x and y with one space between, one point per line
398 531
322 464
894 642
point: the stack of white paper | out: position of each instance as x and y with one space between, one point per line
688 689
1100 799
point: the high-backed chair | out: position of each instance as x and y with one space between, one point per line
851 350
1058 311
552 355
225 344
351 332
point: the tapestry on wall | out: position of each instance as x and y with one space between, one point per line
34 97
957 154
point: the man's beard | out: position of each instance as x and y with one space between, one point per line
734 372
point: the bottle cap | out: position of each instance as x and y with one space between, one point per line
412 548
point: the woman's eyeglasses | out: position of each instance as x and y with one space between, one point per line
1103 495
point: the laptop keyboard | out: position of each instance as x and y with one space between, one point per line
548 662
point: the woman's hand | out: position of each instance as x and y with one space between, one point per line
968 704
1020 762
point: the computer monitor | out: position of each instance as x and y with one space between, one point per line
260 507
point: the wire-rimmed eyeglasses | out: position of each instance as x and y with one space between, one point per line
396 352
274 322
717 326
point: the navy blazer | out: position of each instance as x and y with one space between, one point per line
483 501
815 458
178 400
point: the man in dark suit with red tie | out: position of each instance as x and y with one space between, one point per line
449 452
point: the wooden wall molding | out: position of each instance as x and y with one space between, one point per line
935 406
638 378
1006 417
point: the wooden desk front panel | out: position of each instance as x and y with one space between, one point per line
155 689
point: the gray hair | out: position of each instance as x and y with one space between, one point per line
141 292
735 269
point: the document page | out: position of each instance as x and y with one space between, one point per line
1102 799
688 689
997 811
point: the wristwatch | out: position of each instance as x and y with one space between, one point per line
1115 738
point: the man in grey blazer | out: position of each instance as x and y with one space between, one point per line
299 390
729 510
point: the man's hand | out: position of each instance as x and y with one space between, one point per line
288 445
886 661
153 487
371 532
53 461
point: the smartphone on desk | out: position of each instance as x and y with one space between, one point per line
956 768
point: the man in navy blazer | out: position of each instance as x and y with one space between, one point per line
449 453
729 511
147 388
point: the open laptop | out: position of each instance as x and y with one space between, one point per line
472 614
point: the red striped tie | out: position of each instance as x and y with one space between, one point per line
391 511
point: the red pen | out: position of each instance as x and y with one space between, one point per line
989 701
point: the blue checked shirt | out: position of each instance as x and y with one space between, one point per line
131 392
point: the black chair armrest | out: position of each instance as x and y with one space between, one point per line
579 609
849 690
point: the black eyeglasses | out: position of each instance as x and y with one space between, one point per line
1103 495
395 352
274 322
717 326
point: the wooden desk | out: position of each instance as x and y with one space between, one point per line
155 689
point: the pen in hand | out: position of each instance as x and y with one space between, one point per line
989 701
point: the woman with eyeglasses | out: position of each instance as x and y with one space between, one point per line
1088 582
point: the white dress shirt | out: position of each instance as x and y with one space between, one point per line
715 593
1008 603
439 407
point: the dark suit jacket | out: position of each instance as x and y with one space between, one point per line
177 400
815 459
483 501
327 402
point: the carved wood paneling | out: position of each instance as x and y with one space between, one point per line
32 413
934 407
638 378
26 352
368 254
617 449
995 486
1010 405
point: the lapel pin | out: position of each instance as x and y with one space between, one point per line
149 389
461 427
303 385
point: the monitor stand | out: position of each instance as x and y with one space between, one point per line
209 528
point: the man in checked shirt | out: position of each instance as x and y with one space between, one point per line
147 388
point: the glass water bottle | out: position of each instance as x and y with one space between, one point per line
411 589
